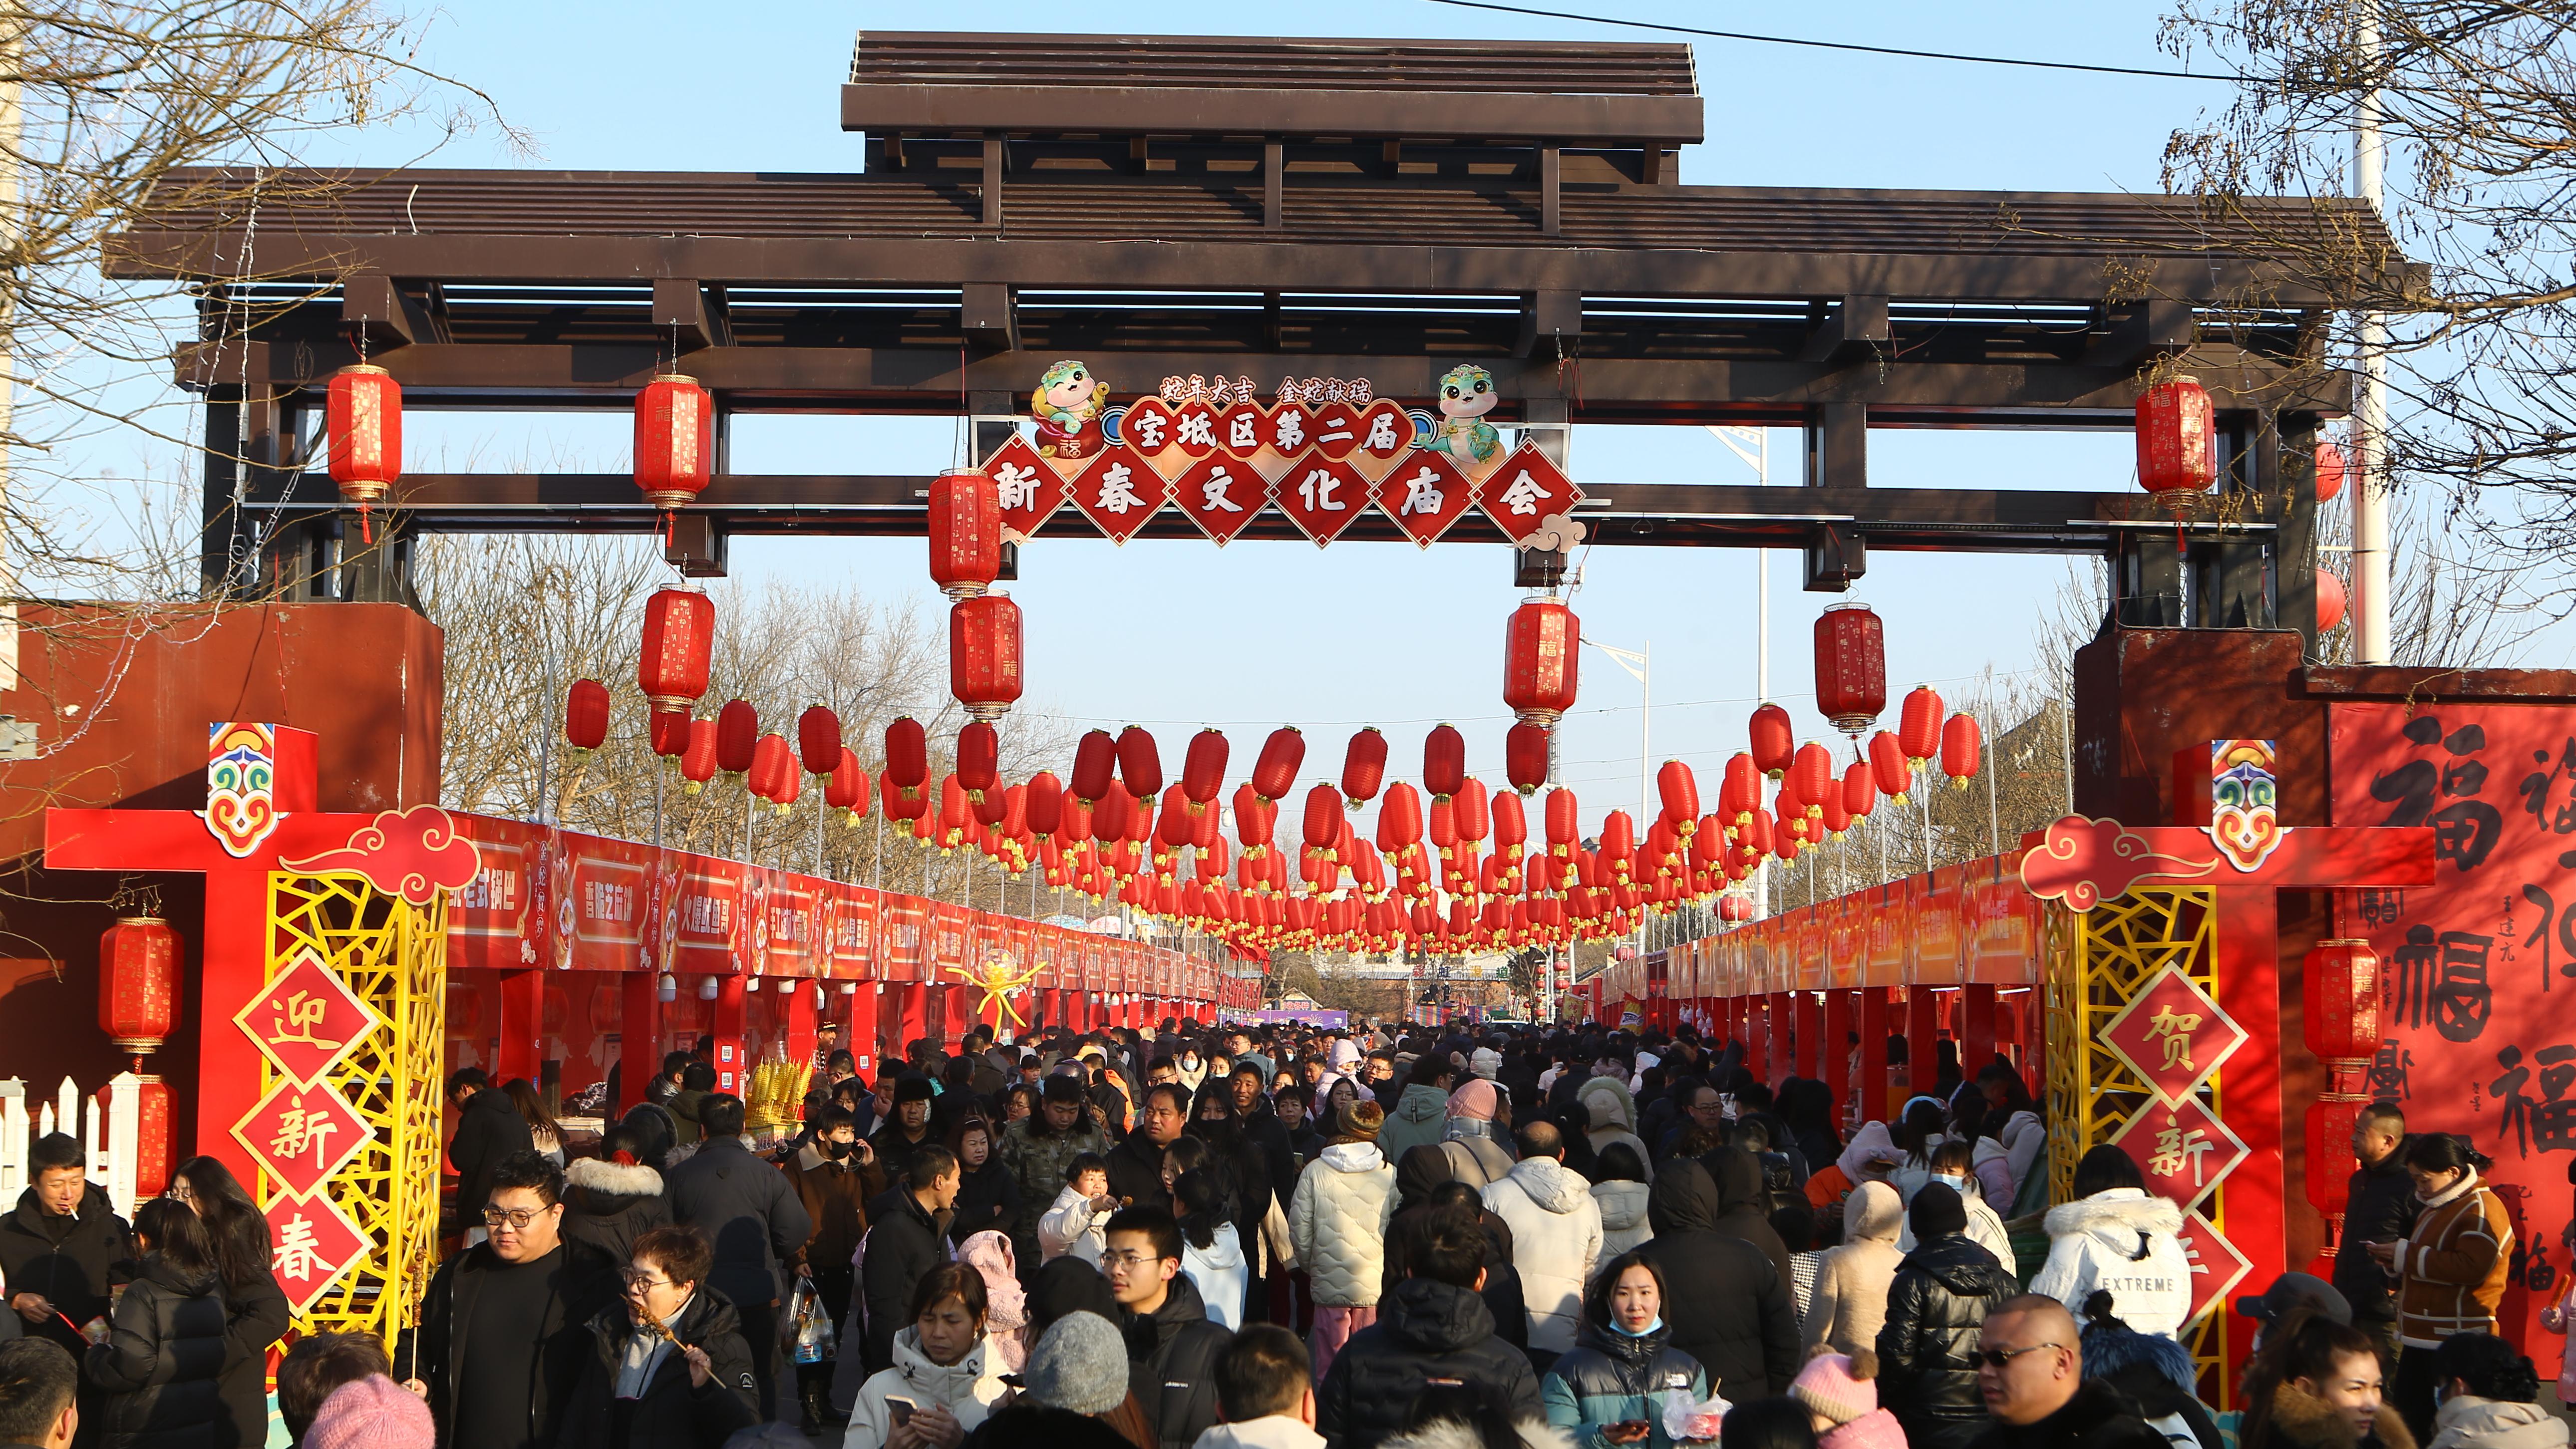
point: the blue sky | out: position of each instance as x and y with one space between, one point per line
1181 633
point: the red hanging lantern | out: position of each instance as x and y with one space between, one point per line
1734 908
1860 790
1771 740
1470 810
1045 802
1564 821
698 760
679 643
979 750
1095 761
1511 825
1542 649
907 757
2340 989
152 1133
670 732
1739 789
1918 727
363 417
1275 772
737 737
1444 761
138 983
2330 470
1962 743
1525 756
1140 765
1851 666
1110 811
1203 768
847 790
773 765
586 715
818 740
2330 602
984 654
1364 766
2331 1161
1888 768
1811 778
965 532
1323 820
902 804
675 440
1399 818
2177 437
1678 789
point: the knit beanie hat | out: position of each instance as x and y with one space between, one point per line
1080 1364
371 1413
1476 1101
1837 1386
1936 1210
1358 1121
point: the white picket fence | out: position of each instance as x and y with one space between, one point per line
106 1130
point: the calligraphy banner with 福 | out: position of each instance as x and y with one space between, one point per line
2479 1035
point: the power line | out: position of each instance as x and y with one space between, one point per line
1843 44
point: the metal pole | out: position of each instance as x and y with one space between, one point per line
1994 814
2370 415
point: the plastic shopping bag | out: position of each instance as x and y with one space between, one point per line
809 1325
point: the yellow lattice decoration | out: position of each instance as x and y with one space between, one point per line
393 956
2098 960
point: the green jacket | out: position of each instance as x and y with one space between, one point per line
1416 1122
1609 1378
1039 1162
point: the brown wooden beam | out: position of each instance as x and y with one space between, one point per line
1852 328
1274 185
989 316
683 311
2142 331
1574 120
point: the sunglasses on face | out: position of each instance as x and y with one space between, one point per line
1999 1358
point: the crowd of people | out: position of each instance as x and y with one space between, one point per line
1280 1238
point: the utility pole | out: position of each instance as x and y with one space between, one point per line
2370 415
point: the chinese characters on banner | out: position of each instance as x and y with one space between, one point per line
303 1132
2481 967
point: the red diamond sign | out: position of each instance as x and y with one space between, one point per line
2173 1035
307 1020
1288 431
2183 1151
1386 432
1337 429
1424 495
1118 492
2216 1266
300 1136
1194 428
1239 430
1322 498
1221 495
1525 492
1148 426
316 1244
1031 491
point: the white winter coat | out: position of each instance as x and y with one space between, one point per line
1623 1215
1556 1241
1337 1221
1072 1227
1218 1270
967 1387
2022 1138
2121 1240
1613 1115
1985 1228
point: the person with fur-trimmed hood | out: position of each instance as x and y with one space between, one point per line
2118 1237
2155 1371
611 1200
2317 1385
1611 1112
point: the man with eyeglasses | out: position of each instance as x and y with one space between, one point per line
504 1326
1172 1345
2031 1375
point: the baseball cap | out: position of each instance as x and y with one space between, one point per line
2293 1291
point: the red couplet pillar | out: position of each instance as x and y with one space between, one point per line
523 1022
1870 1092
639 1035
914 1021
799 1024
1757 1040
730 1011
1783 1026
1811 1032
1922 1038
1835 1044
1976 1030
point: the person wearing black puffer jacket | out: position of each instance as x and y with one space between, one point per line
671 1370
1433 1326
159 1369
1927 1368
613 1199
1732 1311
1172 1344
488 1128
908 1224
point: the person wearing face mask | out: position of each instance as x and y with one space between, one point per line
2317 1385
835 1176
1952 1167
2451 1266
671 1370
1610 1387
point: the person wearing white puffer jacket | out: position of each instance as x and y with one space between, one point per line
1612 1113
1556 1238
1337 1222
2117 1236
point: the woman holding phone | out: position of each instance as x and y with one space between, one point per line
946 1377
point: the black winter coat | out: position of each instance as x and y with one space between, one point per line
988 1201
256 1316
1425 1329
1943 1291
2382 1208
159 1369
488 1128
2098 1417
582 1281
1171 1363
1136 1172
1730 1307
749 1209
66 1259
609 1205
1609 1377
903 1243
673 1413
1744 1203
